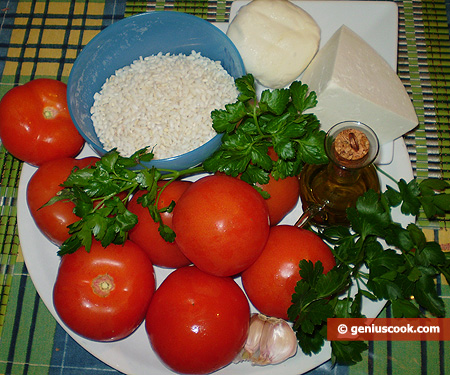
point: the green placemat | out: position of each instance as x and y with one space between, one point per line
218 11
43 38
423 66
9 240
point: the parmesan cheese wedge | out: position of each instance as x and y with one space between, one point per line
353 82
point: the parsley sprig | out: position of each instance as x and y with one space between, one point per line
100 194
250 126
403 274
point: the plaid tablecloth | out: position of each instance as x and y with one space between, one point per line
40 38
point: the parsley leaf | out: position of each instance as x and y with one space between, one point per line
347 352
251 126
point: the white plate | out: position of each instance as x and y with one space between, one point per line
134 355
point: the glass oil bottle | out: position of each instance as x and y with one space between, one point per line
327 190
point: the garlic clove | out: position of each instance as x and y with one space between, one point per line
254 334
269 341
278 342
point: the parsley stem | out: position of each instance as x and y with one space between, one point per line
362 274
385 173
255 119
347 303
173 174
361 278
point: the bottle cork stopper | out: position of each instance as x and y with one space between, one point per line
351 145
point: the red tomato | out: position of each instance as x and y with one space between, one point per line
222 224
197 323
270 281
104 295
53 220
146 234
35 124
284 195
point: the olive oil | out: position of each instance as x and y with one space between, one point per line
327 190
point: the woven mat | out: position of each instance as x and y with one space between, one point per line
424 67
216 11
42 39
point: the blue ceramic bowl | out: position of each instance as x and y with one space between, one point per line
143 35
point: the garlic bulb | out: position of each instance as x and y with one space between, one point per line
269 341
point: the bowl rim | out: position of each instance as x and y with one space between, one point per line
111 29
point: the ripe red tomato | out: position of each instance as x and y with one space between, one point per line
197 322
35 124
53 220
146 234
222 224
270 281
284 195
104 295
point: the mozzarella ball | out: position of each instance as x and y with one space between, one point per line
276 39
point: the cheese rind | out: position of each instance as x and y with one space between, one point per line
353 82
276 39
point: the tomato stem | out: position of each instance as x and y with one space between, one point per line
49 113
103 285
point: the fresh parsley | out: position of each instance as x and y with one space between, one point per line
251 125
402 273
100 194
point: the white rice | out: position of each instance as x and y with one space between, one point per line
161 101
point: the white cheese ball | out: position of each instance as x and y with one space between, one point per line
276 39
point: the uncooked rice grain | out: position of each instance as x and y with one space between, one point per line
163 102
